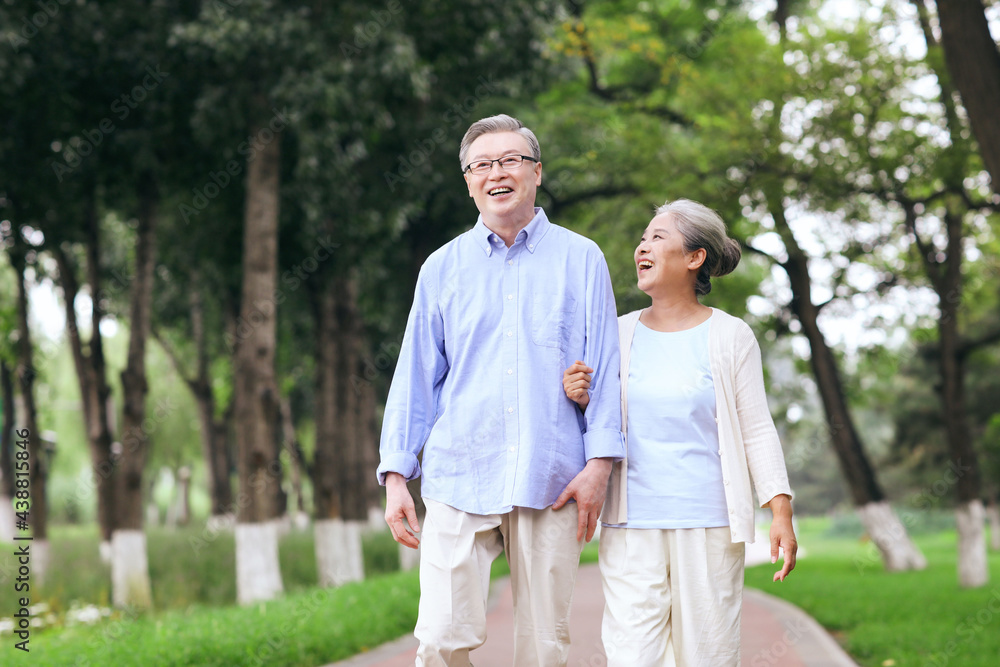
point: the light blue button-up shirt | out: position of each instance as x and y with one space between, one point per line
478 383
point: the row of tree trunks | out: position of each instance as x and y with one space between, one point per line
129 565
37 456
258 576
90 369
883 526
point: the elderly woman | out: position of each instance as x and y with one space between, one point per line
697 426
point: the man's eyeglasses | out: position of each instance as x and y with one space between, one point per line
507 163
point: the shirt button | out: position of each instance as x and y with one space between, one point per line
510 261
510 371
509 334
726 482
509 410
531 246
512 449
510 296
732 511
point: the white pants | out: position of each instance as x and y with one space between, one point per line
456 552
672 597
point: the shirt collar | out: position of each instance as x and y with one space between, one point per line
531 235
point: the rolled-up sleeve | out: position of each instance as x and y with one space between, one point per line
412 404
603 436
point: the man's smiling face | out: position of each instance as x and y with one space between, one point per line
504 197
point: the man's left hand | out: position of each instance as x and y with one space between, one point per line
588 489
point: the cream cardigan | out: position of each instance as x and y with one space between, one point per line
748 441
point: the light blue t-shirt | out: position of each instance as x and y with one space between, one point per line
674 468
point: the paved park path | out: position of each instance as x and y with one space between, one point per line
774 633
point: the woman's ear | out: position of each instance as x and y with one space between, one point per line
696 259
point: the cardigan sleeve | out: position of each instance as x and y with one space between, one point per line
760 438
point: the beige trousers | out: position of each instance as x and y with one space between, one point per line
672 597
456 551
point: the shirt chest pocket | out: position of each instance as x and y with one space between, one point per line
552 320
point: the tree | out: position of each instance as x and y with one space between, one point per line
21 254
717 114
974 66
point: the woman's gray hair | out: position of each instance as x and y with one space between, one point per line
500 123
701 227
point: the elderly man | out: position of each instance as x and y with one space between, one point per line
498 313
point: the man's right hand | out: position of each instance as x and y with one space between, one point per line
399 508
576 382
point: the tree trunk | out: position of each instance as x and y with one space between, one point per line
90 370
214 432
291 442
993 513
338 544
6 454
129 568
889 535
974 64
338 551
972 564
973 567
353 398
255 395
38 515
182 515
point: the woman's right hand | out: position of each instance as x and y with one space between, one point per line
576 382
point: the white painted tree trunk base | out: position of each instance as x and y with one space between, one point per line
339 555
130 570
221 522
6 519
41 556
258 576
300 520
970 521
104 548
993 512
408 558
376 519
283 524
888 533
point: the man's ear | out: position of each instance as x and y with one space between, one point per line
538 174
468 183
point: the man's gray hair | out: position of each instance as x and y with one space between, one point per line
701 227
491 125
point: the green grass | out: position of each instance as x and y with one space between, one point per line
186 566
918 619
910 618
300 630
